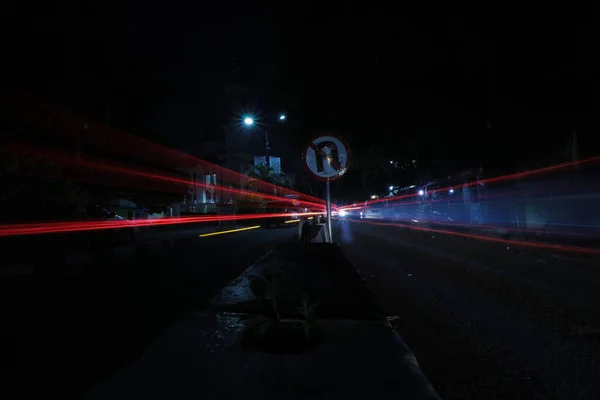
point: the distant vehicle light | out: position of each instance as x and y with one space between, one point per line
421 193
451 191
342 213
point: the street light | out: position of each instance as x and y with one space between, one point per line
249 121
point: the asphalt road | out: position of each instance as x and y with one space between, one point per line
60 336
486 320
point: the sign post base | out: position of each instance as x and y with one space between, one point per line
328 194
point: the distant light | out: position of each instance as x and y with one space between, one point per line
342 213
282 117
373 197
451 191
391 162
391 188
421 193
248 121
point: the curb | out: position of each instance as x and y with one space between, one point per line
411 361
233 298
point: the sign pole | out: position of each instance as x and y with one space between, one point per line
328 194
267 159
327 158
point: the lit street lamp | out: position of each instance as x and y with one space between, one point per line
249 122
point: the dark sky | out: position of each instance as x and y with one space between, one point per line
414 79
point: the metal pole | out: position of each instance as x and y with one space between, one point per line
328 194
267 161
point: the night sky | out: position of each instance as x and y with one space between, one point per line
453 87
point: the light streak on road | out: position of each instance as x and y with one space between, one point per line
119 143
547 246
115 174
507 177
510 229
230 231
79 226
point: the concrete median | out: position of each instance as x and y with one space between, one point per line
297 324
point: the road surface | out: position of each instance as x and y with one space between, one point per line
61 336
486 320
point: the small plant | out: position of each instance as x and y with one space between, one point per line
265 288
307 310
256 327
269 330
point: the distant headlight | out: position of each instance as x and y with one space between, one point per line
342 213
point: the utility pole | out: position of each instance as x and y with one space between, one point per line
267 160
249 121
574 150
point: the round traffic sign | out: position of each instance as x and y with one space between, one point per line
327 157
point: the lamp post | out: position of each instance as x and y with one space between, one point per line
249 122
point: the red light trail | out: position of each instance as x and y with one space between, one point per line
573 249
119 171
121 144
558 233
79 226
493 179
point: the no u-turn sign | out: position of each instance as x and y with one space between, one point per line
327 157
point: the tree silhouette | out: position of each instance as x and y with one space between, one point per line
266 173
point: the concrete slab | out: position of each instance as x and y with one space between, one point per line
201 358
318 270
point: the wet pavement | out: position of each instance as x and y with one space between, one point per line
486 320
